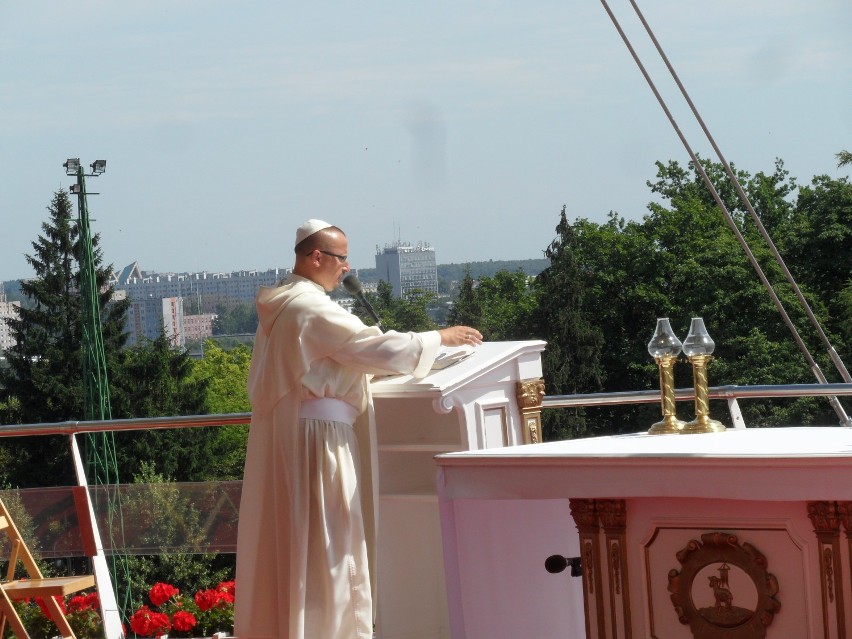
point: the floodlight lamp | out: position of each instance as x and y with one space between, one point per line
75 189
98 167
72 165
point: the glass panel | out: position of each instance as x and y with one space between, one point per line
147 518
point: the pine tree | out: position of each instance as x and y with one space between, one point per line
466 308
571 362
43 380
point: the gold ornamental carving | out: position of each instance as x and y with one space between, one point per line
844 513
723 588
613 514
828 571
530 394
589 560
824 516
585 515
615 566
827 518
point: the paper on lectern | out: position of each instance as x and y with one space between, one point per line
450 355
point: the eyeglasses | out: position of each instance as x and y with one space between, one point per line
342 258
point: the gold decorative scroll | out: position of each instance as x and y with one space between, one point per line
613 519
585 516
826 517
530 394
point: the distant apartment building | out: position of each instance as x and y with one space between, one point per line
204 291
8 310
408 267
149 318
198 327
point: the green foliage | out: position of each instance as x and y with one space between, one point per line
235 320
466 309
225 374
157 381
844 313
398 314
819 249
502 307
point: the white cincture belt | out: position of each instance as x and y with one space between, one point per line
328 409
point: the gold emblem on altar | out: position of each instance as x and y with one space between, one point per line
723 588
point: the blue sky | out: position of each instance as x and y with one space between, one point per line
466 124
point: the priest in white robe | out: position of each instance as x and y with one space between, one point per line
307 529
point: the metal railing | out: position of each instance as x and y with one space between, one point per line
730 393
118 425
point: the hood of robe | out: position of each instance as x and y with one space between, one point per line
287 343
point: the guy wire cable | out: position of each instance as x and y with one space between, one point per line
835 358
838 408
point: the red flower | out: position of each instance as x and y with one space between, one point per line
77 603
160 593
43 606
148 623
183 621
206 599
226 591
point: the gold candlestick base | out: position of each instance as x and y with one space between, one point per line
702 424
667 426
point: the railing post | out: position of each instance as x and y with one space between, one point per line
109 608
736 413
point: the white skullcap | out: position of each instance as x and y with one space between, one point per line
309 228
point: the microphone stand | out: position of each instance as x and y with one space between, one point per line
353 287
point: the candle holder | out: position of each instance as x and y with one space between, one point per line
698 347
664 347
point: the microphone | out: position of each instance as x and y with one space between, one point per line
353 287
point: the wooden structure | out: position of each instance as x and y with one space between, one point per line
33 585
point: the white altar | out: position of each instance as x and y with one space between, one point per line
734 534
491 399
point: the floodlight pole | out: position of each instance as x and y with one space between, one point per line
96 381
101 463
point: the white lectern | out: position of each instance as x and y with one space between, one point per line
491 399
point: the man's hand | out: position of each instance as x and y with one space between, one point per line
460 336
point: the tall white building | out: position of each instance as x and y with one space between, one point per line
151 317
408 267
7 310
